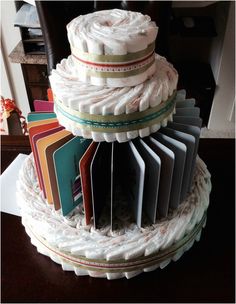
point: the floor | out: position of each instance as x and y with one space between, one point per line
206 133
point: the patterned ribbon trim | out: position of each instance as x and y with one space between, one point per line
115 66
130 57
116 72
122 265
118 123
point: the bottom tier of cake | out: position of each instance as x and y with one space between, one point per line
124 252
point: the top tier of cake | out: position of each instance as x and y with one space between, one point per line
113 86
113 48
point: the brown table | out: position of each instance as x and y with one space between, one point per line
203 274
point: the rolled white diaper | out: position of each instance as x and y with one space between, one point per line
86 109
113 47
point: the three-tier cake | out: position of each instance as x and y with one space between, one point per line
139 196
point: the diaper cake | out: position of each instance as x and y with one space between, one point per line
114 186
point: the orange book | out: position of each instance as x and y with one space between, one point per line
42 144
50 95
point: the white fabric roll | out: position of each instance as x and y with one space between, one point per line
111 33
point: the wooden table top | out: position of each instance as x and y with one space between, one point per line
204 274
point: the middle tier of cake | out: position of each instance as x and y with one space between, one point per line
113 114
154 174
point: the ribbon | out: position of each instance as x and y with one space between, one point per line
115 66
127 58
118 123
120 265
117 73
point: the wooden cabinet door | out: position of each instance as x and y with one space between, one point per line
36 82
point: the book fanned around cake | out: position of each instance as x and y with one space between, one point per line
114 185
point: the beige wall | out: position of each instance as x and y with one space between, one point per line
12 81
6 90
222 112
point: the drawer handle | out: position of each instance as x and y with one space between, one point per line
44 74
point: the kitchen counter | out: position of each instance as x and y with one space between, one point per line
18 56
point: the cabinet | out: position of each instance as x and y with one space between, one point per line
36 82
30 54
195 49
29 26
34 70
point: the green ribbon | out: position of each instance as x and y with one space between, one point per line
113 58
118 123
123 265
99 74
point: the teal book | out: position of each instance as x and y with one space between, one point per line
66 162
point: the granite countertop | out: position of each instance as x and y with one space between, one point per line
18 56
